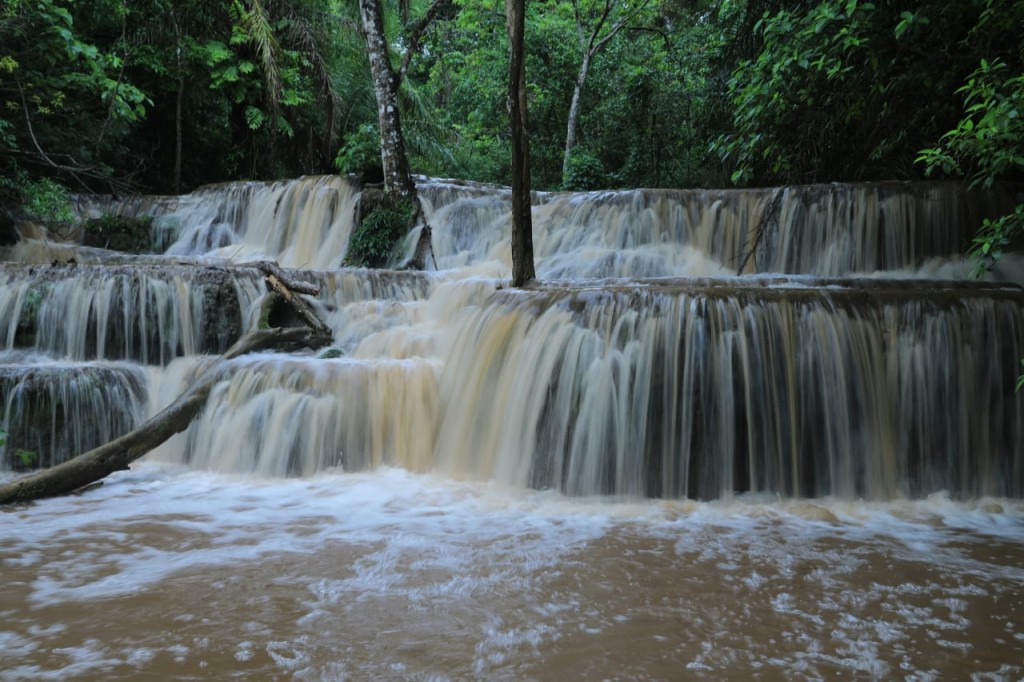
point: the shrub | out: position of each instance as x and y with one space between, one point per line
585 172
373 242
120 233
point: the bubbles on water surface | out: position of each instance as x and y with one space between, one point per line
389 574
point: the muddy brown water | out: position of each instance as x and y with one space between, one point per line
170 574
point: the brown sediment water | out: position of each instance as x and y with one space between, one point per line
389 575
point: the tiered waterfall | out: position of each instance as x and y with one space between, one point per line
851 357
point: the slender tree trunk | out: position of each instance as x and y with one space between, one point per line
178 101
574 112
177 135
522 224
329 139
591 47
398 182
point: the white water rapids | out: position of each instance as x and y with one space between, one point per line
388 575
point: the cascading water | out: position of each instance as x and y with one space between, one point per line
634 387
644 467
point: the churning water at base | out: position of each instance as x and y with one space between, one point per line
388 575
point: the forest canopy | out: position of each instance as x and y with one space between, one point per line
167 95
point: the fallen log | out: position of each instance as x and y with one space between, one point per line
116 455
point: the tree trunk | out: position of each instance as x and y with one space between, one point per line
178 100
177 135
574 113
398 183
591 47
120 452
522 225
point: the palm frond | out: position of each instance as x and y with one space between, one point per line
255 21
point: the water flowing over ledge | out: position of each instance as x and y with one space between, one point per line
641 367
829 230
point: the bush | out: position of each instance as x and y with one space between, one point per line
585 172
373 242
360 153
48 201
988 146
120 233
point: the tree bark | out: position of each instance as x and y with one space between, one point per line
178 100
592 46
574 113
116 455
522 224
398 182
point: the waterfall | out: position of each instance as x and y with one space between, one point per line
680 390
641 365
828 230
53 410
148 313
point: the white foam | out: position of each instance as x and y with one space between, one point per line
432 546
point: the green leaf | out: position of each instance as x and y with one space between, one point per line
254 118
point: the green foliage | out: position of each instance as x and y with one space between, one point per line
987 145
373 242
273 89
46 200
827 90
993 237
650 102
66 103
24 458
585 172
360 152
837 90
128 234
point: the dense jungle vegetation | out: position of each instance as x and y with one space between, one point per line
162 96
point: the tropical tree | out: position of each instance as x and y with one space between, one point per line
67 104
400 202
597 23
852 90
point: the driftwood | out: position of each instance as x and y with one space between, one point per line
116 455
770 215
285 287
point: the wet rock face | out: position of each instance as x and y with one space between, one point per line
151 313
127 234
8 233
54 412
